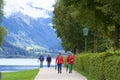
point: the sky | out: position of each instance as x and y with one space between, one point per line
33 8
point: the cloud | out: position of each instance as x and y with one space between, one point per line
32 8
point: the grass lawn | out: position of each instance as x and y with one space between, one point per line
20 75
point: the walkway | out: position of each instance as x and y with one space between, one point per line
51 74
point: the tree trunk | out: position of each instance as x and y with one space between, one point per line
95 38
116 36
74 50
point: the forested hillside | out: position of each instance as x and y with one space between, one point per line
10 51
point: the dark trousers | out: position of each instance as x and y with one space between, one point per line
59 68
48 64
41 64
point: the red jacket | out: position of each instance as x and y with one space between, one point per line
59 60
70 59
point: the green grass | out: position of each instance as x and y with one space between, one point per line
20 75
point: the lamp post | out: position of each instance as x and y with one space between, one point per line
85 34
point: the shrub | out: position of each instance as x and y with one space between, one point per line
112 68
102 66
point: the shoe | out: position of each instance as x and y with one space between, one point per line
70 72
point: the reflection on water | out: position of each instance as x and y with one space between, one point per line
20 64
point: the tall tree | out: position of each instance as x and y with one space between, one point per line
86 12
68 29
100 16
2 29
112 8
1 12
2 34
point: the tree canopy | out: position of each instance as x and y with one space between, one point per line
2 34
2 29
101 17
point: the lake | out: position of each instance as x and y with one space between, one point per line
18 64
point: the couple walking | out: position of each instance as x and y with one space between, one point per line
60 61
48 59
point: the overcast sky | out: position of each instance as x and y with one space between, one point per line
32 8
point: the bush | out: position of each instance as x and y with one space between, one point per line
102 66
112 68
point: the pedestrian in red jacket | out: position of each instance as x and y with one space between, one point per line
70 61
59 62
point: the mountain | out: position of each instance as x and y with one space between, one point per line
28 33
10 51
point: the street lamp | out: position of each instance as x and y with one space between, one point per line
85 34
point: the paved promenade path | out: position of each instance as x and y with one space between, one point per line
51 74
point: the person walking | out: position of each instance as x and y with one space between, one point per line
59 62
70 61
48 59
41 59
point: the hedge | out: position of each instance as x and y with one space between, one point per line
112 68
99 66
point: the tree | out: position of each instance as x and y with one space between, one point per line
2 34
90 14
1 12
67 28
99 16
112 8
96 15
2 29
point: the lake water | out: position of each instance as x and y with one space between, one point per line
15 64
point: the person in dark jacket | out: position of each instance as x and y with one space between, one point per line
48 59
41 58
